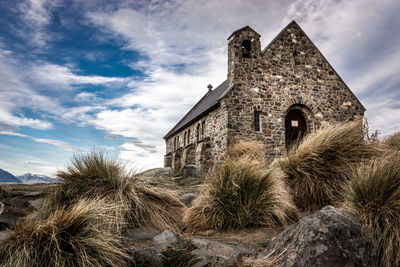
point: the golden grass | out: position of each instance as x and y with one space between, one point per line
373 196
73 236
317 168
393 141
136 203
250 149
240 193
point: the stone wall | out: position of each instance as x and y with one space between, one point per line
204 150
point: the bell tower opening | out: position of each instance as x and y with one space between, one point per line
295 127
246 49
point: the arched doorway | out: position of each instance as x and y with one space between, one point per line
295 127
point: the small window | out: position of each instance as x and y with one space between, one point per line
184 139
188 137
246 48
198 132
175 143
203 126
257 127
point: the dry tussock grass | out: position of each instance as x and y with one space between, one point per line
240 193
393 141
373 196
317 168
250 149
69 236
136 203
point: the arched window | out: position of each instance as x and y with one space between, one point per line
198 132
184 139
175 143
188 137
203 126
257 126
246 48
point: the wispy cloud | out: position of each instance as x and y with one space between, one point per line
62 77
57 143
37 15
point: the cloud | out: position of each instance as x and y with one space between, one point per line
57 143
32 163
61 75
36 15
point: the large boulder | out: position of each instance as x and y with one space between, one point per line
325 238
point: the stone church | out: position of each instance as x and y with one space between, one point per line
273 96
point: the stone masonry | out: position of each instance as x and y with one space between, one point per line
264 89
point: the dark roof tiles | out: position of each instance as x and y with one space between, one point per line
206 103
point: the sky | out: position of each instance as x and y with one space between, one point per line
118 75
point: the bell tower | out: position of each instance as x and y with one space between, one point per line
243 48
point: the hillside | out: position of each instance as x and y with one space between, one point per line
6 177
36 178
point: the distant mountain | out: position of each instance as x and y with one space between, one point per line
30 178
6 177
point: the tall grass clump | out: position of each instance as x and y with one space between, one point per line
250 149
240 193
317 168
69 236
393 141
373 196
137 204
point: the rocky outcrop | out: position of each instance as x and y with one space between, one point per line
215 253
201 252
325 238
191 171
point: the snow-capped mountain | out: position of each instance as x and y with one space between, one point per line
36 178
6 177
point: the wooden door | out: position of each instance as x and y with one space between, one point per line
295 127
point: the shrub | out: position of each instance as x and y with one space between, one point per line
73 236
240 193
373 196
393 141
317 168
136 203
252 150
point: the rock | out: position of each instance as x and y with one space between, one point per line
33 194
191 171
216 253
11 215
147 256
164 240
37 203
157 172
134 234
325 238
188 198
4 235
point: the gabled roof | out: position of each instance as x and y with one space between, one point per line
205 104
247 27
329 64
